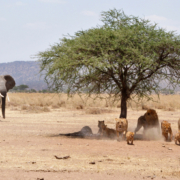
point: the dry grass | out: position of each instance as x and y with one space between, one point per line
163 102
98 110
38 102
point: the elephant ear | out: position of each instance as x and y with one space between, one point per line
10 82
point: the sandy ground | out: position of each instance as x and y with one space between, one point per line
29 143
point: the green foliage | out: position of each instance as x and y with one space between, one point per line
127 55
32 91
21 87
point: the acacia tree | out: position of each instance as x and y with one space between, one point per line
125 56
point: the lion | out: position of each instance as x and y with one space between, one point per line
121 126
129 137
166 128
177 138
107 132
100 125
148 120
179 125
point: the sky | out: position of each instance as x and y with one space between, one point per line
30 26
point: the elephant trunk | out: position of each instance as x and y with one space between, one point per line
3 104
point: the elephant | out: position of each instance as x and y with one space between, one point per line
6 83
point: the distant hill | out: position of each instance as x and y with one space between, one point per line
24 72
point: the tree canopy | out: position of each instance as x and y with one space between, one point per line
125 56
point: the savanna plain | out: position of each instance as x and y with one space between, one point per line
32 149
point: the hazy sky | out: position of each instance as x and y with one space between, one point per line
30 26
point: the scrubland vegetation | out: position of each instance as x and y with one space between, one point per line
45 102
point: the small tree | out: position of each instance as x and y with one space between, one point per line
33 91
21 87
126 56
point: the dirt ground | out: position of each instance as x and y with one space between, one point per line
29 143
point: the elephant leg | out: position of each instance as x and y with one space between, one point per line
3 105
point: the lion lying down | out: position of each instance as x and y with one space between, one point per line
108 132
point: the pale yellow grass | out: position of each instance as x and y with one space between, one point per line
164 102
43 102
38 101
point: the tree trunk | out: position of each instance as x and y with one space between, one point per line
3 104
123 105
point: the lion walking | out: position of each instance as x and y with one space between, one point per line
166 129
148 120
121 126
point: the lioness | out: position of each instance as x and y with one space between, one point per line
121 126
177 138
107 132
100 125
179 125
129 137
166 128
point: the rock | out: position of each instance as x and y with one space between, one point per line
92 163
